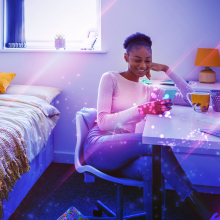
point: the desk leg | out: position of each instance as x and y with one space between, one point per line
157 182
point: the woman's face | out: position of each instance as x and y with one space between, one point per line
139 61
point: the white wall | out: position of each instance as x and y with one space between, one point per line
177 29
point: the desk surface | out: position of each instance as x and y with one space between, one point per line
181 131
196 85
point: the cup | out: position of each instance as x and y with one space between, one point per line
199 100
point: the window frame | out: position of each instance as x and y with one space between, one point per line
46 48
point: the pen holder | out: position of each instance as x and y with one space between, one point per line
215 97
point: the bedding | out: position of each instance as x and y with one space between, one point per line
44 92
26 123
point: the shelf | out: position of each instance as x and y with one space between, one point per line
20 50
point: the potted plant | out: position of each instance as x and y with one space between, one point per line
60 41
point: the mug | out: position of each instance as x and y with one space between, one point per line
200 101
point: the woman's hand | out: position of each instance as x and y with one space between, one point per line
157 107
159 67
156 67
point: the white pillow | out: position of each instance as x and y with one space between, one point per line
44 92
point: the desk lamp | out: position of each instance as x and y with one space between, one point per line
208 58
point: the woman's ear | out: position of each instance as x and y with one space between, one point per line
126 57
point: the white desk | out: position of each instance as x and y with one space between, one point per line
181 131
196 85
182 134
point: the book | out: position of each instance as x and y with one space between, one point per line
169 82
146 81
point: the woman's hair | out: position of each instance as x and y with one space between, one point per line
137 40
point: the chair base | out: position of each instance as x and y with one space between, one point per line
141 216
112 216
119 209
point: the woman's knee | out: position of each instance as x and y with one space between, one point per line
139 169
144 167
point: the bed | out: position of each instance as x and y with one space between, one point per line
27 120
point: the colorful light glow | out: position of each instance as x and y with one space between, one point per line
106 7
66 176
196 145
173 67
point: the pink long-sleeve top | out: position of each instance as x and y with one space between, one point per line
119 97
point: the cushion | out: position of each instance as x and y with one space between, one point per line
44 92
5 80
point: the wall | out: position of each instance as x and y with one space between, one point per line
177 29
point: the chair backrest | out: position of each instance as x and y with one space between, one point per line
81 133
80 165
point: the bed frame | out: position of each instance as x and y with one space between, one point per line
27 180
38 165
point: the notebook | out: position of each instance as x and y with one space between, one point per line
169 82
215 121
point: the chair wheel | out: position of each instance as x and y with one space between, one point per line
97 212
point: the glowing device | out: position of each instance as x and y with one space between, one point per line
169 94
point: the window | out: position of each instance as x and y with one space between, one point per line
72 18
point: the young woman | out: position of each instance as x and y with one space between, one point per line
123 100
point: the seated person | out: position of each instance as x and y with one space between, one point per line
123 100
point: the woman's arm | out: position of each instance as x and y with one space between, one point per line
182 85
107 120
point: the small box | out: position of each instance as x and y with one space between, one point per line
72 214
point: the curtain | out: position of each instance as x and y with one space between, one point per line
15 26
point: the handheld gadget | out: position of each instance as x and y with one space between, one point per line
169 94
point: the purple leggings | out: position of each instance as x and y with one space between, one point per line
123 154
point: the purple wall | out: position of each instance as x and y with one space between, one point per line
177 29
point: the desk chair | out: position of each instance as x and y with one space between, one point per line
90 173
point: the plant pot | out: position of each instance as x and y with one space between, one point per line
60 43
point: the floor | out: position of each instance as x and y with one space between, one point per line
61 187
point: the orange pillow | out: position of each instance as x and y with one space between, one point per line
5 80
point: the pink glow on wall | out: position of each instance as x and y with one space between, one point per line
107 6
43 69
175 38
195 145
195 47
174 66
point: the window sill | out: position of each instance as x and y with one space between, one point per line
20 50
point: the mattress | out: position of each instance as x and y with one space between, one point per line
26 123
33 117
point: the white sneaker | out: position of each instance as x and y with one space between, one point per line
216 216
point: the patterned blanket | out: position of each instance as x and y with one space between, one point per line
25 125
